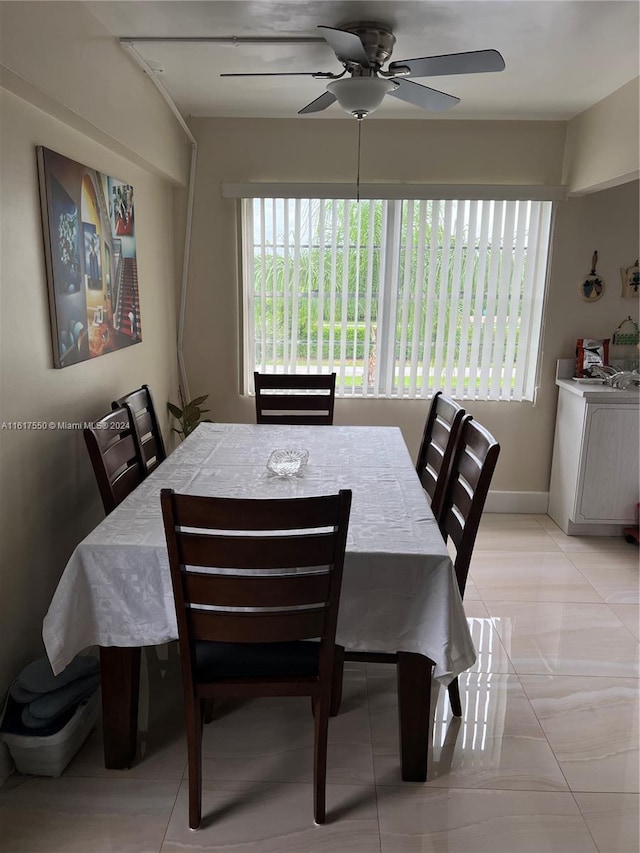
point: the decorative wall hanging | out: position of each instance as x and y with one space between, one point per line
627 334
592 287
90 253
630 280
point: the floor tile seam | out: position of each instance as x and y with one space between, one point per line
399 787
603 554
560 762
548 790
534 601
266 781
306 782
370 725
632 604
617 793
560 674
498 635
544 733
375 795
544 600
373 757
173 808
118 777
516 551
578 554
121 777
596 845
487 602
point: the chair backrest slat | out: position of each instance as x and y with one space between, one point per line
115 457
117 454
146 428
469 467
280 627
306 399
473 462
256 552
436 450
294 402
292 590
249 514
126 482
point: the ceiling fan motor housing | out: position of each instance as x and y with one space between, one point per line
377 40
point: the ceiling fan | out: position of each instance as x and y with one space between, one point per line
363 48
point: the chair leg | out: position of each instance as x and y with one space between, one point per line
321 731
336 684
194 751
454 698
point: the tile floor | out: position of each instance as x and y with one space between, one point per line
544 759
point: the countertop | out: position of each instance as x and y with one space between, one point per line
599 393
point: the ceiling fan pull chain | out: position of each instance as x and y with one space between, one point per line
358 172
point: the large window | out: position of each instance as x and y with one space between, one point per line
401 298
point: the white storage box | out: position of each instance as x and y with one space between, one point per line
49 755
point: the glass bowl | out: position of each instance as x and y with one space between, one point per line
288 462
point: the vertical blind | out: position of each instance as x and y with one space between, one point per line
400 297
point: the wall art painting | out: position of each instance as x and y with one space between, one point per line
90 252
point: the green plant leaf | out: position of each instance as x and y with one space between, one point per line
189 416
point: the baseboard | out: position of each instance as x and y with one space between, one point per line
534 503
589 529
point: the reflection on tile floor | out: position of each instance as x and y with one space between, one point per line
544 759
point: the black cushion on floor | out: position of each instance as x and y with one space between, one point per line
216 661
12 723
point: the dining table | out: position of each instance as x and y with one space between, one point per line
399 592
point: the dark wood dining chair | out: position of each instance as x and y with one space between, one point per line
294 398
144 420
438 440
258 640
473 463
115 457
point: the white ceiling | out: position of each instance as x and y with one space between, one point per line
561 56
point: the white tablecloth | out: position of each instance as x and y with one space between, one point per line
399 591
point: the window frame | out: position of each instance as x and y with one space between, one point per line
388 293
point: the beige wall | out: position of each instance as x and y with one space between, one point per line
605 221
475 152
59 57
603 148
49 499
66 84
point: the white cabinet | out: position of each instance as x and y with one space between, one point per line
595 473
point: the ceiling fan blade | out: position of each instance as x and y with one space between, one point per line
471 62
346 46
423 96
325 100
320 74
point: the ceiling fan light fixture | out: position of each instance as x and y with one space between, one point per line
360 96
